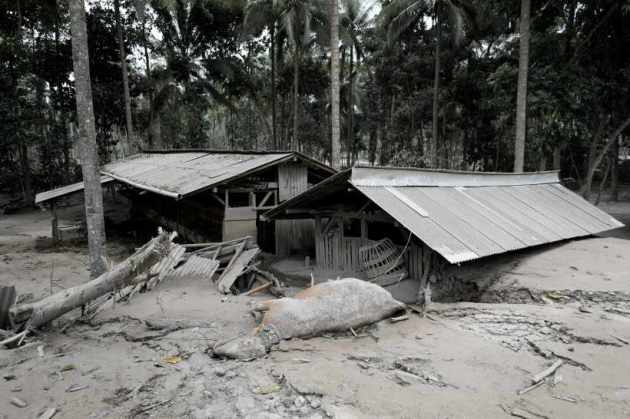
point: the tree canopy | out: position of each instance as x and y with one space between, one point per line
422 83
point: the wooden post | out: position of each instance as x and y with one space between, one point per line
340 251
318 240
364 228
55 222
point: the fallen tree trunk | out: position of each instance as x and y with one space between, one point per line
122 275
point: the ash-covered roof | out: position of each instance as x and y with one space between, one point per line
178 173
42 197
467 215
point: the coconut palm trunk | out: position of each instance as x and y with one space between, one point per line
123 66
274 133
521 95
333 14
436 95
351 107
87 139
296 99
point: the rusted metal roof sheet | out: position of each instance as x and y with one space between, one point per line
65 190
465 216
183 173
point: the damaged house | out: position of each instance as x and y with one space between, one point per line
388 225
212 195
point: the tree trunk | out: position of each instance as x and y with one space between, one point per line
274 133
597 159
147 69
123 274
521 96
25 167
26 178
335 146
557 156
436 95
614 171
123 66
296 100
87 139
351 107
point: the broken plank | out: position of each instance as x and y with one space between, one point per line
213 245
530 388
235 269
547 372
258 289
232 259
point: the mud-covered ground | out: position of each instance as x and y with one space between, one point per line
150 357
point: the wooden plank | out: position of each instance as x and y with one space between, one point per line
292 180
265 199
233 270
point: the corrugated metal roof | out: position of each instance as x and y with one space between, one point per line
196 267
65 190
182 173
465 216
469 215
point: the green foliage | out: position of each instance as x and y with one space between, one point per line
208 81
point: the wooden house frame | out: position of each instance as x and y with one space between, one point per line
209 195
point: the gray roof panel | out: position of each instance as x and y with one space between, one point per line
424 227
65 190
183 173
465 216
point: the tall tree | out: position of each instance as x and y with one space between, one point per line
260 14
353 21
521 95
87 139
123 66
333 17
304 23
400 15
435 162
26 179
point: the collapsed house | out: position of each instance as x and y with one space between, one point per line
389 224
212 195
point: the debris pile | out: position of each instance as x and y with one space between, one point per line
148 263
157 260
232 265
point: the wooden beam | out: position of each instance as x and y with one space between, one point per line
218 198
364 228
328 225
265 199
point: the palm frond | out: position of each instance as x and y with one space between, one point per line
399 16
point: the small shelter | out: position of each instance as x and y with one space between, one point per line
385 224
209 195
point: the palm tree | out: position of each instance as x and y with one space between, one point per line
261 14
189 68
304 24
354 19
87 136
521 95
123 66
333 17
400 15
